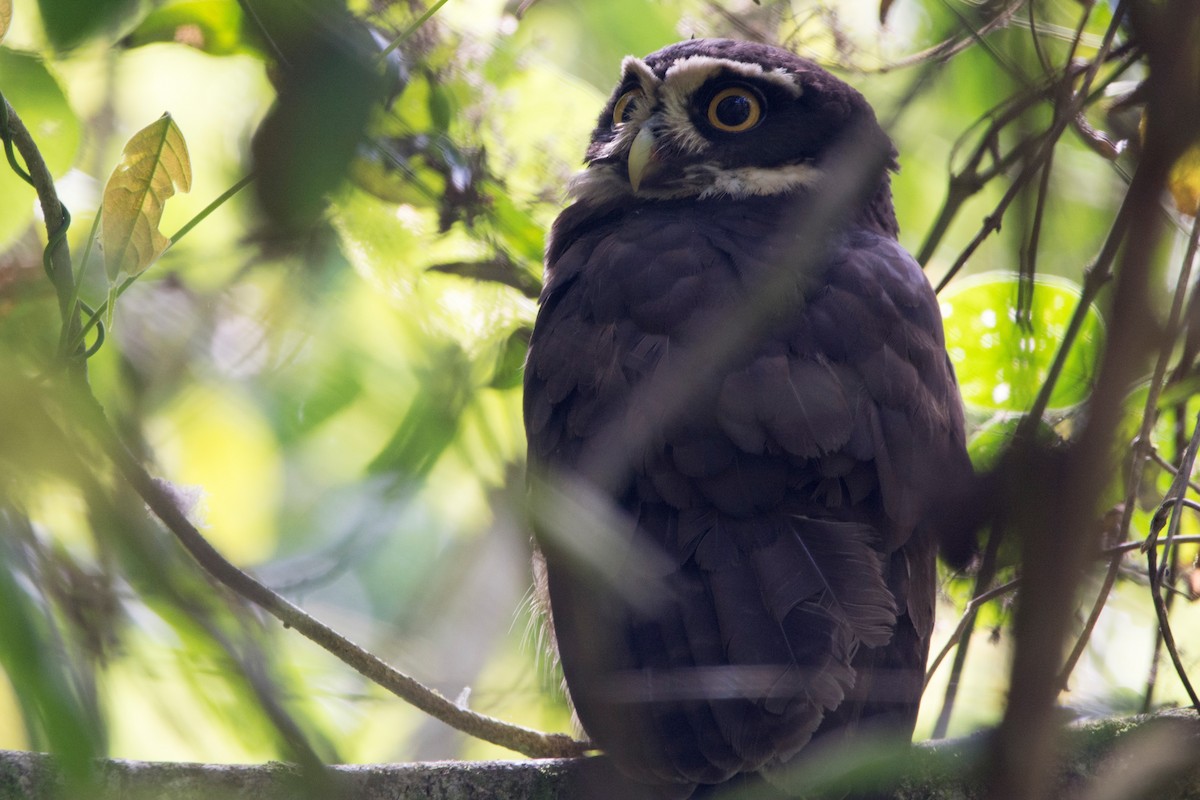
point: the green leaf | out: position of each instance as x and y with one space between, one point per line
582 36
213 26
431 421
153 166
993 439
510 361
1002 364
36 96
70 22
303 148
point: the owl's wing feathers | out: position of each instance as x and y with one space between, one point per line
787 495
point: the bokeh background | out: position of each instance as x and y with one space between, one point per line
327 369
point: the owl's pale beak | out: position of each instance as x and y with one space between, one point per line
642 162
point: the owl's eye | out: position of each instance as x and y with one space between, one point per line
735 109
623 110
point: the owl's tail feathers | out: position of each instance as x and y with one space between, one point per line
739 668
736 669
794 611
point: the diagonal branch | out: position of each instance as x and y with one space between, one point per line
522 740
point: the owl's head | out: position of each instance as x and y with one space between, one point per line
711 118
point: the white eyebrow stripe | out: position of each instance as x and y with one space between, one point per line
689 74
632 65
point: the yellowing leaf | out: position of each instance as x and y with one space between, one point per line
1184 181
153 165
5 17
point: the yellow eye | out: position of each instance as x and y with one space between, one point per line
735 109
623 111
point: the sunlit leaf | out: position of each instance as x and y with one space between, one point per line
5 17
1184 181
153 166
36 96
1001 363
520 231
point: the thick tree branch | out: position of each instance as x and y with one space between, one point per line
1151 755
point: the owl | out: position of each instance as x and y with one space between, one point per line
741 417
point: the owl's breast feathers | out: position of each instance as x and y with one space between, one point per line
789 491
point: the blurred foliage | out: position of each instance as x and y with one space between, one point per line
326 369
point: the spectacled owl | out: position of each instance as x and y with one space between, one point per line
738 398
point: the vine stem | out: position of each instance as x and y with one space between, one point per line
1176 503
1113 554
153 492
965 623
58 259
1142 449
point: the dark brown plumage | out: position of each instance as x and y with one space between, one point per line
759 410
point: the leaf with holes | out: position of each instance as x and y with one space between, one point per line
1001 359
153 166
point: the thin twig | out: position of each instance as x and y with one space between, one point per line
967 620
413 28
1113 554
1171 468
971 178
262 30
210 208
1142 449
948 48
983 584
1148 543
1177 501
1098 273
1181 478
